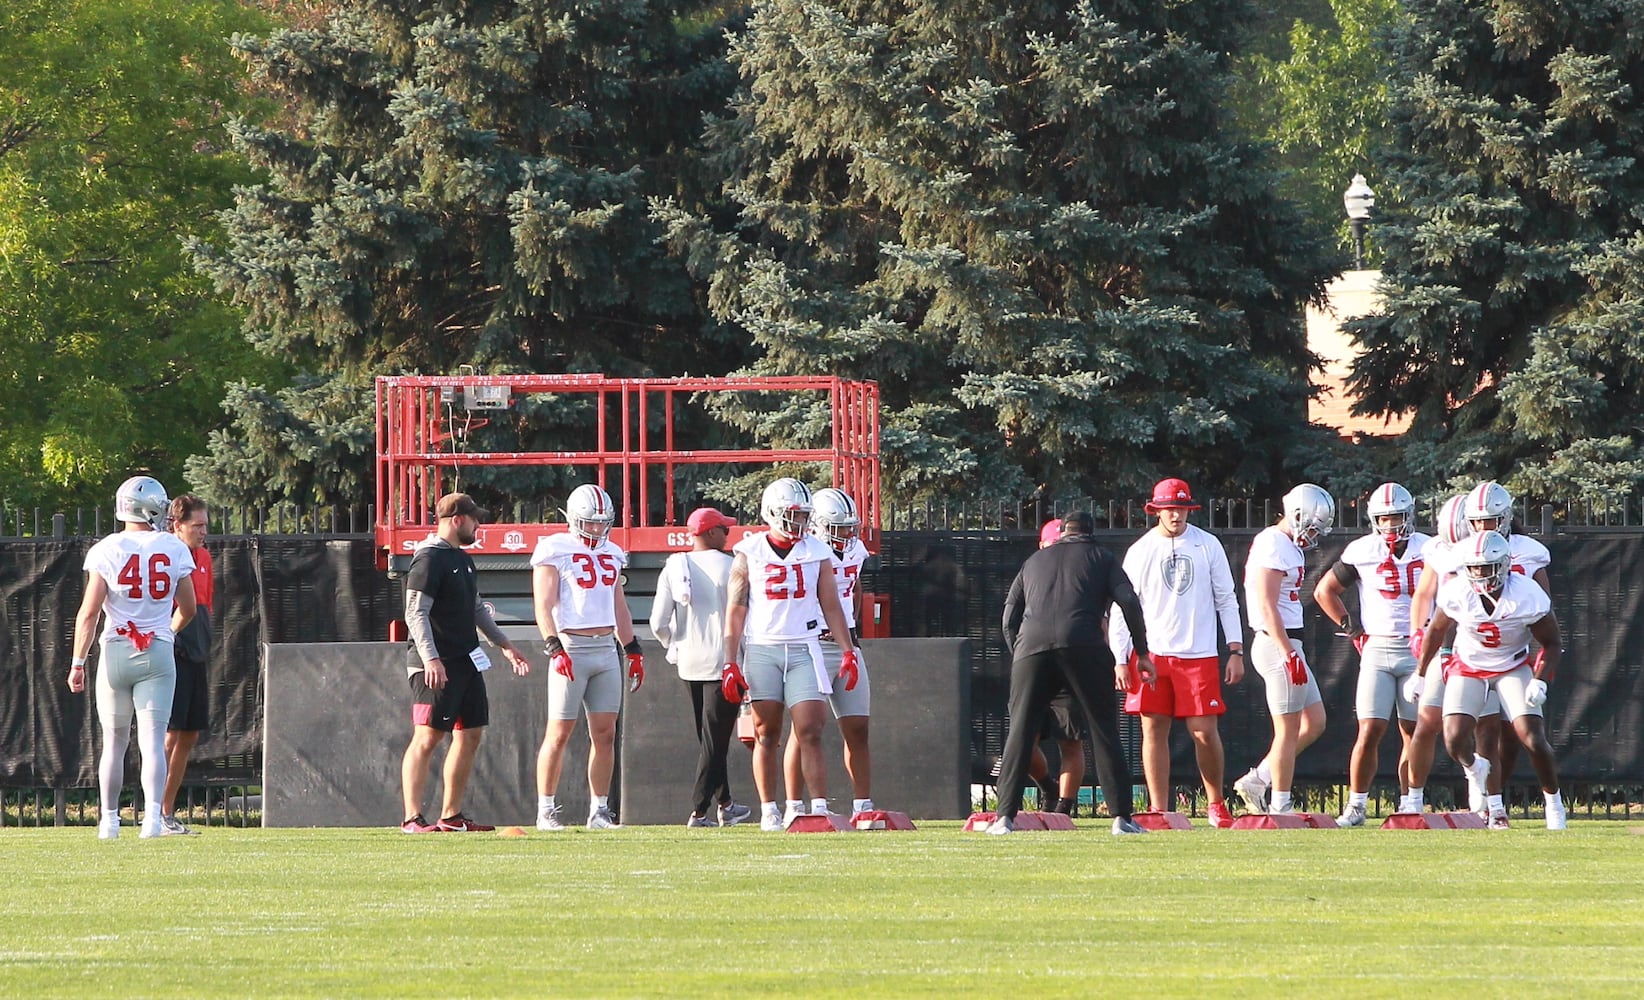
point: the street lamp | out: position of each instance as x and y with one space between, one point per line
1358 200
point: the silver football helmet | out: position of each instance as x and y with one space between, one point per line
834 518
1392 512
1486 559
786 507
142 499
589 512
1310 513
1490 508
1452 520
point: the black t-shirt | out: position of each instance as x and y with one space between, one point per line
1059 597
447 575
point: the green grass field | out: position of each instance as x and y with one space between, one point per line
938 912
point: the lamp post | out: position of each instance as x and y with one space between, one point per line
1358 200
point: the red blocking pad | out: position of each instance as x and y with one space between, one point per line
1025 821
881 819
1434 821
1162 821
828 823
1267 821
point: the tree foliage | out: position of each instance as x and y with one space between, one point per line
113 355
1031 223
1511 281
457 184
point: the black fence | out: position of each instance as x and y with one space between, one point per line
946 571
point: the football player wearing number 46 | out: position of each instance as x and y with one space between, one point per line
1385 566
781 595
576 586
140 580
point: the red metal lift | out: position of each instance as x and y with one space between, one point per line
417 460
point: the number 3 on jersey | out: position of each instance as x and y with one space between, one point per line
159 581
587 577
777 581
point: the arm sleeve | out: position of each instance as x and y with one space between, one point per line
1013 611
487 625
662 605
417 606
1346 574
1226 595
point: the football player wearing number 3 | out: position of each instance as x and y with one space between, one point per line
1386 565
781 595
576 584
1494 613
1273 574
140 578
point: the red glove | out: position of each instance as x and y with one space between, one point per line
1360 641
636 670
732 684
1415 643
1296 668
849 669
558 658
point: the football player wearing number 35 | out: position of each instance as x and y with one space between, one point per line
576 584
1386 566
780 597
140 579
1273 575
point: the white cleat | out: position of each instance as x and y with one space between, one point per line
550 822
1001 826
601 819
771 822
1476 801
152 827
789 816
109 828
1497 821
1557 818
1253 790
1354 816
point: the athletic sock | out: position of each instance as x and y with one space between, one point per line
1281 801
796 806
1417 798
545 806
1358 800
861 805
600 802
1264 773
819 806
1493 802
772 809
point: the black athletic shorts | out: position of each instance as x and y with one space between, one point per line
461 704
191 702
1063 720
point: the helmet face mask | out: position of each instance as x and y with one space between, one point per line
589 512
1489 507
1392 512
1309 513
834 518
142 500
1487 562
785 507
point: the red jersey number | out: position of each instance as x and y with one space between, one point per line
591 573
1295 595
783 581
1489 635
159 581
850 574
1391 581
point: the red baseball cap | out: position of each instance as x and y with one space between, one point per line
1050 532
1170 493
705 518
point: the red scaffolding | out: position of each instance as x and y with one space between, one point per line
417 460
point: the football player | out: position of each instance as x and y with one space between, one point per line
1424 688
576 583
140 580
1273 575
781 596
1494 614
835 522
1384 567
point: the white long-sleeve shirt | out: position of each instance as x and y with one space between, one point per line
1186 587
688 612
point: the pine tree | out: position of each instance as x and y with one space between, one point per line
1511 282
1031 223
458 183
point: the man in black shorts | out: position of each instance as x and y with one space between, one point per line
445 615
1066 726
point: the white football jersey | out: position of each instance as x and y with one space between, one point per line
1494 641
1386 581
142 569
1529 555
782 601
1443 559
847 571
587 579
1186 587
1273 549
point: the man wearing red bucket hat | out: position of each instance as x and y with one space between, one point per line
1182 575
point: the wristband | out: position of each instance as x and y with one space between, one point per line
552 646
1235 652
79 663
632 647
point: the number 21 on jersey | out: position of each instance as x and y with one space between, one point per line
783 581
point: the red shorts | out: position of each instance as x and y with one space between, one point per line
1187 687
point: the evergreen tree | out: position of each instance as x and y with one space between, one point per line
1031 223
1511 275
459 183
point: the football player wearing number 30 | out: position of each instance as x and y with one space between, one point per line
576 584
1386 565
780 597
140 579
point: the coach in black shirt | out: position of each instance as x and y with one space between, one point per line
1053 622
